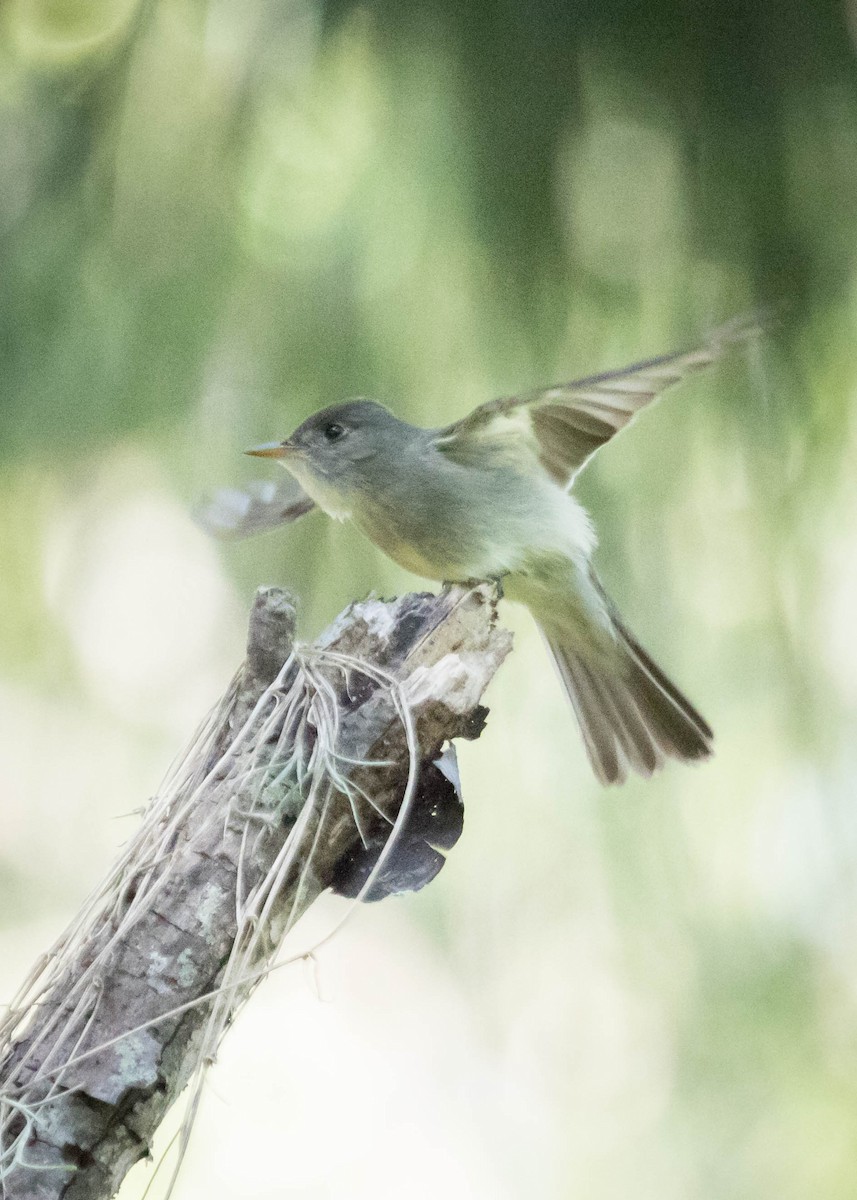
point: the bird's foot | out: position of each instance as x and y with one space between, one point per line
495 580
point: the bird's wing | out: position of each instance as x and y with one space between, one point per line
233 513
564 425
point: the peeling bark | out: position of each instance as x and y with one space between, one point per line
90 1063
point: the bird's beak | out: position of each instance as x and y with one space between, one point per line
273 450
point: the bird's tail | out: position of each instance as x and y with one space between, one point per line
631 716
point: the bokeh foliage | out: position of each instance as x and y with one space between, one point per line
216 217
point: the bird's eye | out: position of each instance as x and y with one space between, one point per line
334 431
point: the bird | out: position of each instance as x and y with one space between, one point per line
489 497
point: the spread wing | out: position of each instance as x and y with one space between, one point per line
564 425
261 505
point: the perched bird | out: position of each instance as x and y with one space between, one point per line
489 497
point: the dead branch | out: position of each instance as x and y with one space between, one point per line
319 768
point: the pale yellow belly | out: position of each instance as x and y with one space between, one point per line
445 559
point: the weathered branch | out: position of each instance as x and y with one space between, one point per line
316 770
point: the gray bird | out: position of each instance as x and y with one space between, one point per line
489 497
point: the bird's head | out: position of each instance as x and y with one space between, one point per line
336 451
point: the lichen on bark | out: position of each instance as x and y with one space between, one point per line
321 767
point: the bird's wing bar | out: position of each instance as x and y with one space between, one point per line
233 513
567 423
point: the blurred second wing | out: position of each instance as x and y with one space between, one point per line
234 513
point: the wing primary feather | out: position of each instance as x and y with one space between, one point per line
569 422
234 513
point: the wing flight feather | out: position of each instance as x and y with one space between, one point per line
234 513
567 423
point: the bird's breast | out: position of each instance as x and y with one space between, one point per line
448 522
416 542
431 529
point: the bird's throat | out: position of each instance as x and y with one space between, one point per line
324 492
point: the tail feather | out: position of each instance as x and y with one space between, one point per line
625 723
631 716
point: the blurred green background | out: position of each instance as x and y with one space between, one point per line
216 217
